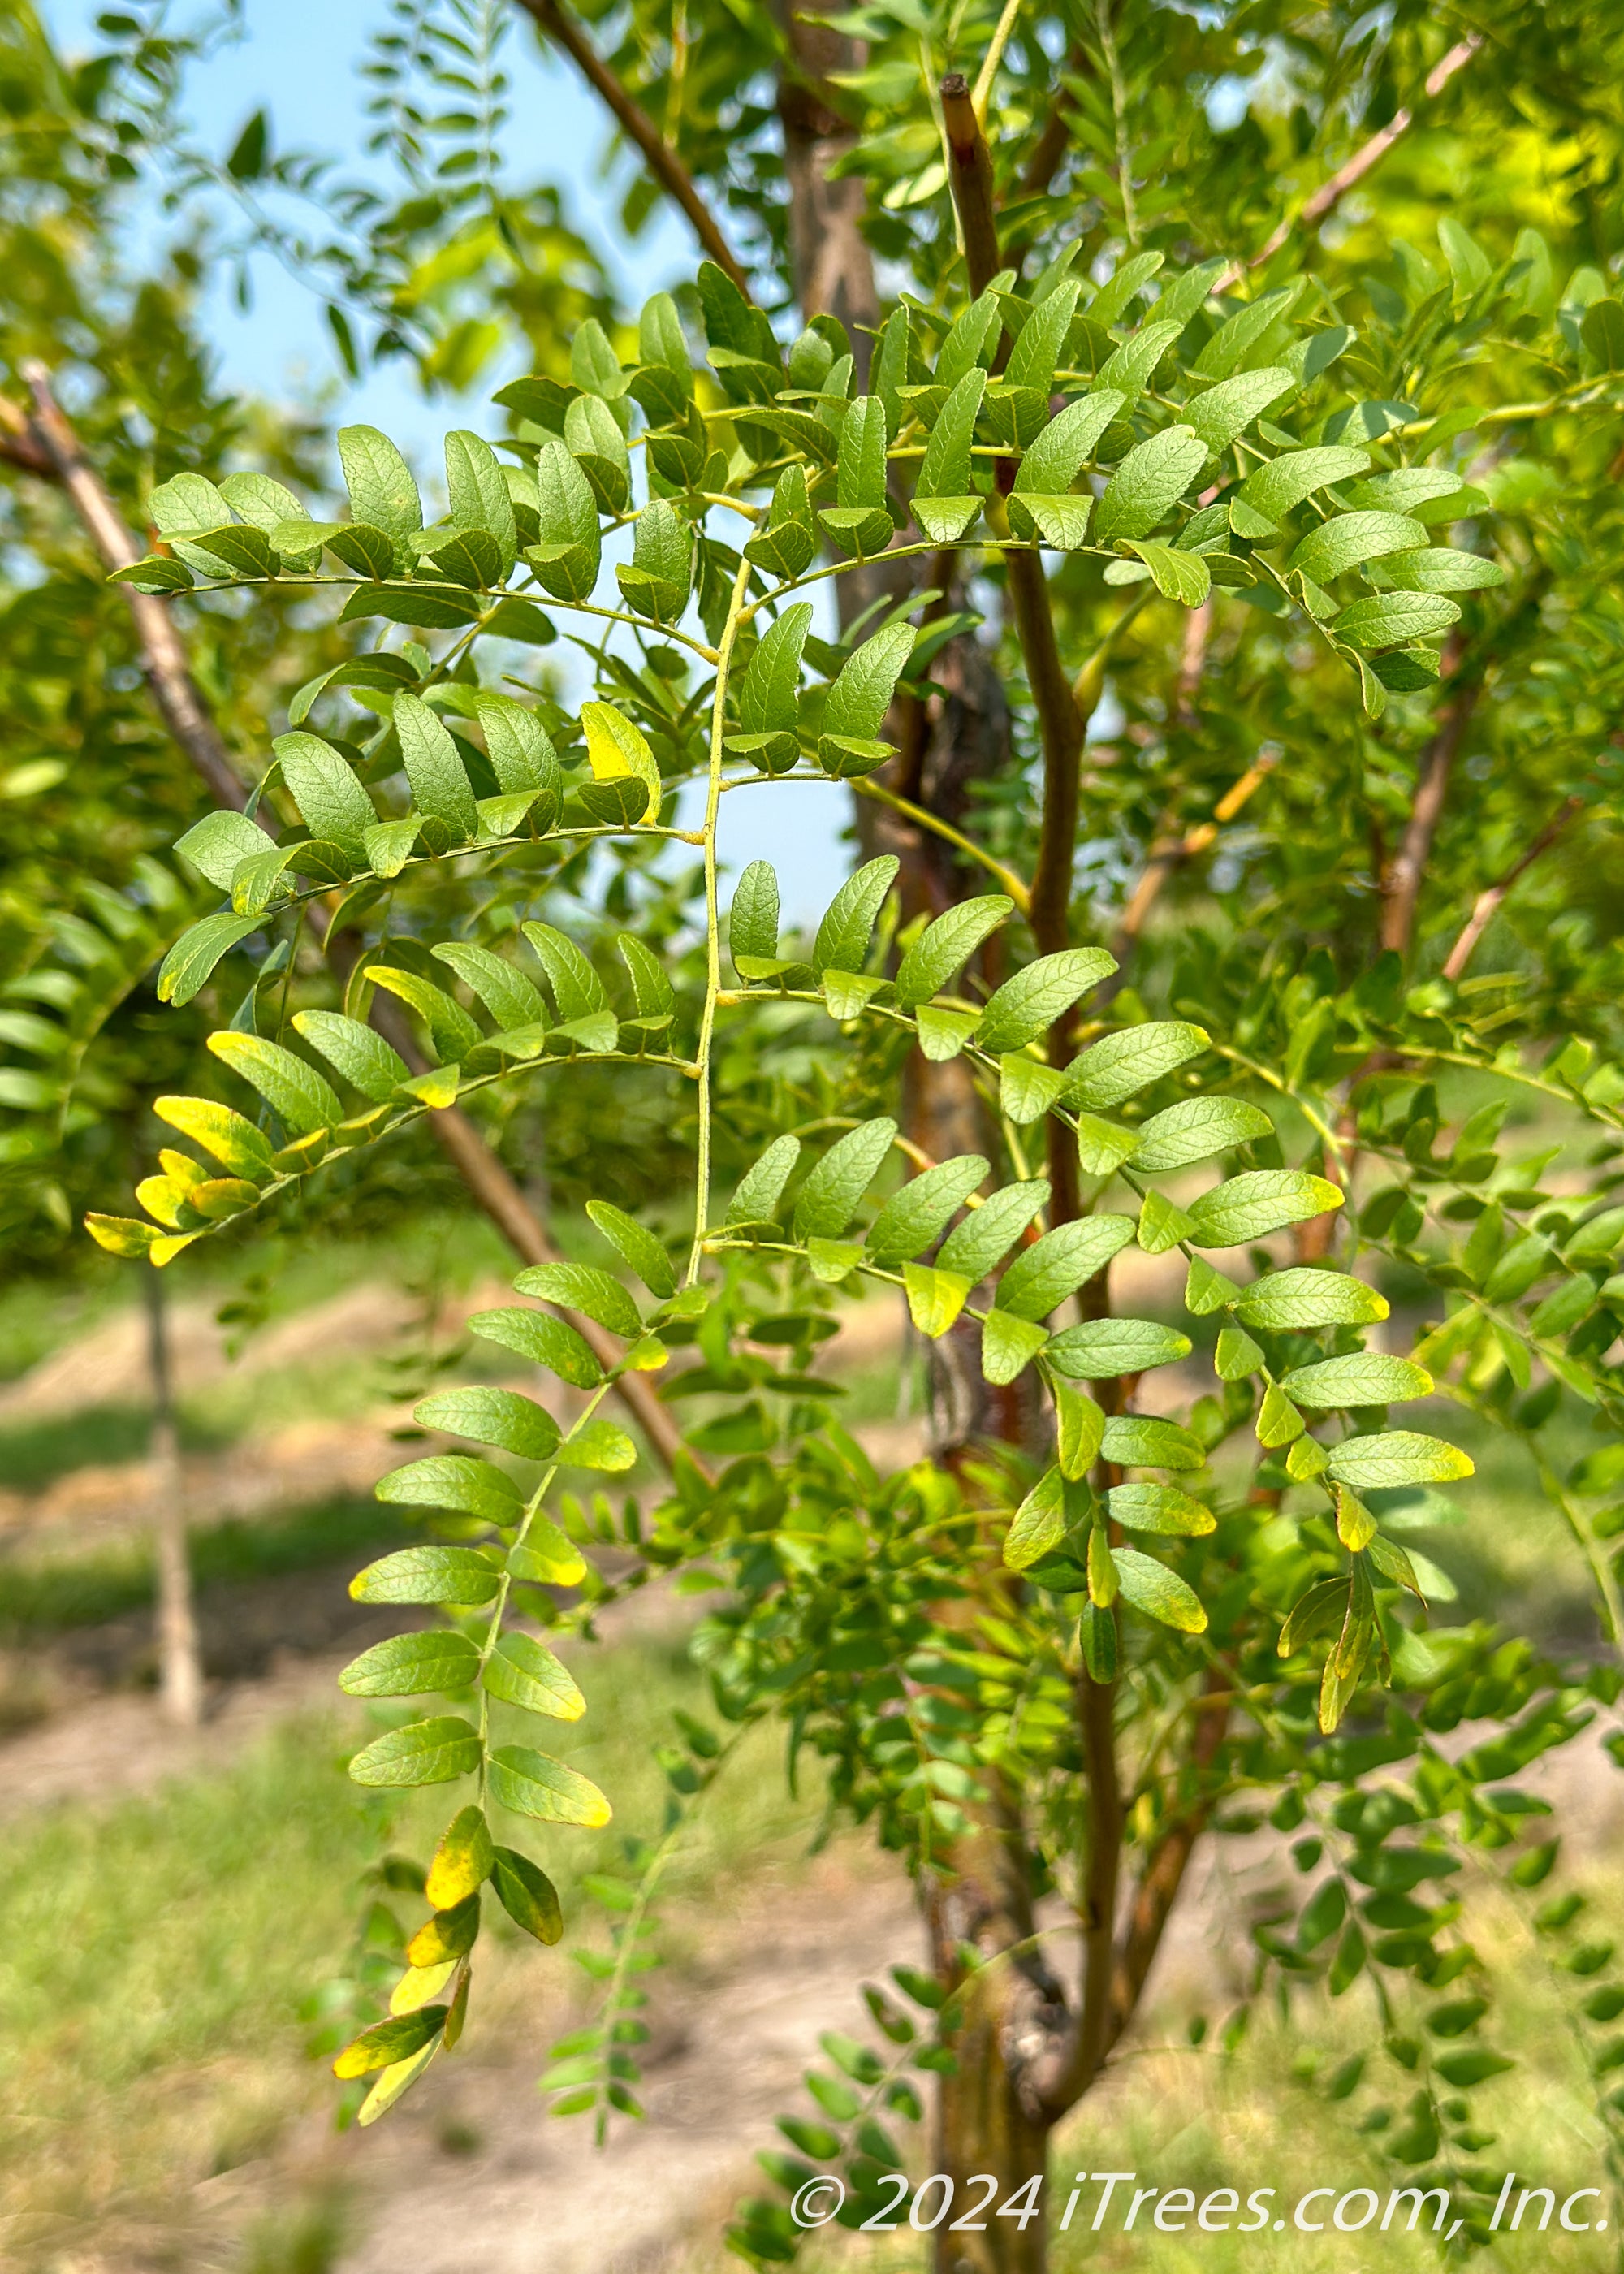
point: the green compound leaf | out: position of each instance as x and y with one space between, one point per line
935 1297
1137 1441
1160 1508
1150 482
1117 1066
527 1896
637 1246
946 944
989 1233
503 1417
1008 1344
1351 540
582 1287
1194 1130
523 1672
383 491
761 1188
1274 490
461 1481
1039 1523
843 936
301 1098
1042 1276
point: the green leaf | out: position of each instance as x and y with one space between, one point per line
477 490
843 936
407 1665
231 1138
916 1214
1152 1588
1194 1129
1287 480
859 696
637 1246
1236 1356
601 1445
945 471
532 1784
302 1100
527 1896
1049 468
768 697
521 752
1361 1378
1134 364
219 843
619 751
582 1287
1350 541
1101 1145
1080 1431
439 783
424 1752
360 1055
592 436
546 1556
1039 1523
387 2044
330 800
989 1233
1030 1002
1395 1457
389 843
945 945
507 994
522 1671
1392 617
576 987
1290 1301
1227 409
1259 1201
1150 482
829 1198
1181 576
1159 1508
935 1297
1602 331
1008 1344
155 572
566 559
463 1861
1042 1276
761 1188
492 1417
545 1341
383 490
1391 1561
1103 1348
454 1034
859 479
1117 1066
429 1575
186 969
661 575
1444 569
753 921
1137 1441
1026 1087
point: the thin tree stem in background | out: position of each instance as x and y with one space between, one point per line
1488 904
180 1666
640 130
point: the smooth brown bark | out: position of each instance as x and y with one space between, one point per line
832 266
640 130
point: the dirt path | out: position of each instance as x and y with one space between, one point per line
782 1964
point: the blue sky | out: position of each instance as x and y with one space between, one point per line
298 62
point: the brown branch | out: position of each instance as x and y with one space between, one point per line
1164 859
1157 1889
1368 154
1488 902
163 658
638 128
1400 886
49 447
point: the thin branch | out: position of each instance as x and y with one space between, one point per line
1119 116
1097 1712
635 124
982 94
48 445
1487 903
1401 886
47 435
1164 859
1370 154
1158 1886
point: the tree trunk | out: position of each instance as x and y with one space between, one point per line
180 1667
988 2127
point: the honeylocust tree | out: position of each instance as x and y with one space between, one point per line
1090 541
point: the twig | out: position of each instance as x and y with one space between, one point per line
1401 886
49 447
1158 1883
1368 154
1487 903
1119 116
1164 859
635 124
981 93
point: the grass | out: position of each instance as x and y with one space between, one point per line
155 1954
64 1591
